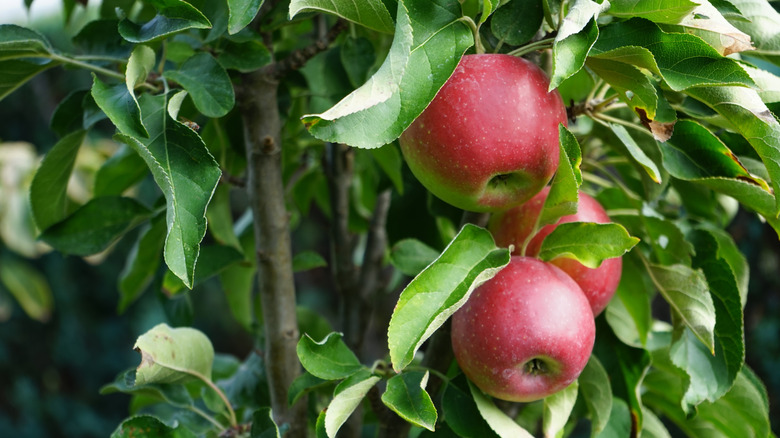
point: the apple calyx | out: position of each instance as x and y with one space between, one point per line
536 367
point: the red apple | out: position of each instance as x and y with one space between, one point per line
513 226
524 334
489 139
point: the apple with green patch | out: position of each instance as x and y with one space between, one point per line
489 139
524 334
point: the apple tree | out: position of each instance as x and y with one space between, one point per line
258 119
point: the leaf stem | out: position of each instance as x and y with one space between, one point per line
87 66
212 385
532 47
479 47
208 417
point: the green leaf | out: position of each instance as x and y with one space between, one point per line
501 424
708 23
48 190
121 107
142 262
626 367
21 42
660 11
244 55
619 424
410 256
637 154
241 13
213 259
328 359
762 21
587 242
238 282
406 396
172 16
652 427
263 425
28 286
147 426
220 218
122 170
173 355
488 7
349 394
426 48
301 385
626 78
576 35
391 162
517 21
369 13
187 175
140 64
569 53
460 411
687 292
745 111
442 288
564 191
710 375
14 73
69 114
173 394
742 411
207 83
94 226
629 312
306 260
557 409
682 60
597 393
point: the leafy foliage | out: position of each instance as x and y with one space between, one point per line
672 107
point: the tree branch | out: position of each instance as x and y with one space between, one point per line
257 99
298 58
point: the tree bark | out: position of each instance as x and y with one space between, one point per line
262 126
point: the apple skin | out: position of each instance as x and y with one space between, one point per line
513 226
524 334
489 139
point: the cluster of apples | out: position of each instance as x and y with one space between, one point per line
488 142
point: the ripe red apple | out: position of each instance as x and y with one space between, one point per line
489 139
524 334
513 226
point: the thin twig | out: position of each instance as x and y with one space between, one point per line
298 58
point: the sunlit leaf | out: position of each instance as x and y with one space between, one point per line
242 12
427 47
187 175
588 243
557 409
372 14
406 396
504 426
442 288
328 359
348 395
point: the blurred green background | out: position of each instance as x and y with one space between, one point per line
51 369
